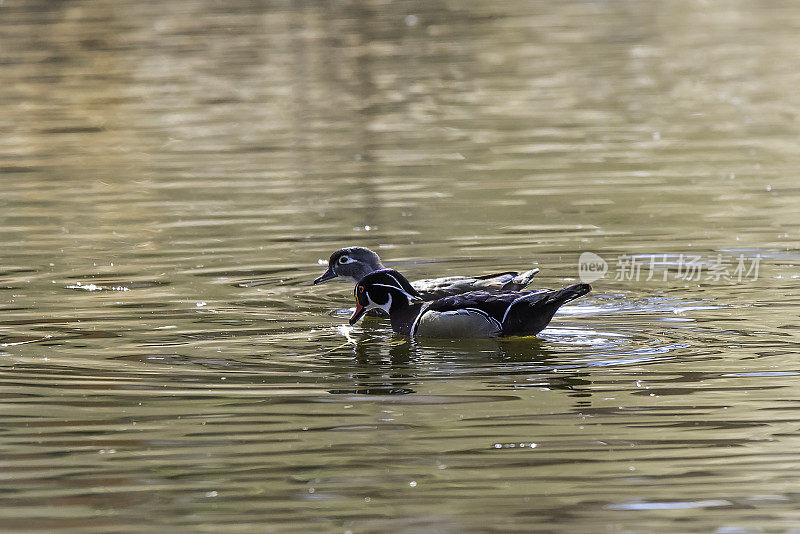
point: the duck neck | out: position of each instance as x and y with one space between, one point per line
403 317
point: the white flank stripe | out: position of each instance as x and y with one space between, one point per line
415 324
523 297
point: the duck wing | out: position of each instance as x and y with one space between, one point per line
493 314
437 288
460 323
474 314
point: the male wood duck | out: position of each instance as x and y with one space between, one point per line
474 314
354 263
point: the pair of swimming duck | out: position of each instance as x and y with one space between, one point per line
450 307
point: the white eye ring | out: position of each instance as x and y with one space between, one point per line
344 259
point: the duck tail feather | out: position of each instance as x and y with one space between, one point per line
538 309
562 296
523 279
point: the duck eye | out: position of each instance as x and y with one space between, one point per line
344 259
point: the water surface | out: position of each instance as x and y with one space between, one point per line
173 171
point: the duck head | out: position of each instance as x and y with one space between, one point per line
352 263
385 289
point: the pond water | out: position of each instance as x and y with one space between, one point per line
174 171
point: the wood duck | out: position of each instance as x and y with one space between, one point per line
354 263
474 314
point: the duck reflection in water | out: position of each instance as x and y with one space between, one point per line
393 366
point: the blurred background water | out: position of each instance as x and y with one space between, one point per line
173 171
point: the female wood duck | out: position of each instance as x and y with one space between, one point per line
354 263
475 314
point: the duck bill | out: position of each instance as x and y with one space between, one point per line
327 276
360 310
